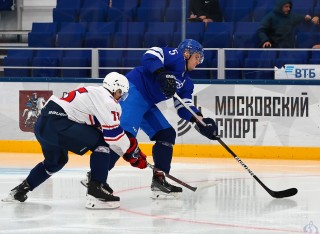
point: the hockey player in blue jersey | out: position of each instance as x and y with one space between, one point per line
164 72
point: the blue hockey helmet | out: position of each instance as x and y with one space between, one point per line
191 46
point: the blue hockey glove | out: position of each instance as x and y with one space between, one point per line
167 83
210 130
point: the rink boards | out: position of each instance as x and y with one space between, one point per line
202 151
256 120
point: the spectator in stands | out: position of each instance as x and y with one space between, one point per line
277 26
315 20
204 11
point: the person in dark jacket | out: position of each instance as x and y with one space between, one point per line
315 20
277 26
205 11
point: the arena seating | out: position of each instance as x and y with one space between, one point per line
159 33
218 35
46 58
99 34
145 23
259 59
75 4
7 5
93 14
65 15
132 58
109 58
43 35
18 58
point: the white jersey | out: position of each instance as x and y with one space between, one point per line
96 106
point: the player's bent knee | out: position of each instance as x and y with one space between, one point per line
102 149
167 135
101 146
51 168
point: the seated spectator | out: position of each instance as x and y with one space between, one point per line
278 25
315 20
204 11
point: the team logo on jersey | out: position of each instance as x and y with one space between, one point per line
30 104
183 125
179 83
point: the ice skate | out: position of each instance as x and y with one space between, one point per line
85 182
19 193
161 189
98 197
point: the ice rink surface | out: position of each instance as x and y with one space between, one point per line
228 199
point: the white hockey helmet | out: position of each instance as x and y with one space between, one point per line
114 81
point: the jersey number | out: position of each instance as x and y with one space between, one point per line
173 52
71 95
116 116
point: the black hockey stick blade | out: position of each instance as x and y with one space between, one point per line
276 194
173 178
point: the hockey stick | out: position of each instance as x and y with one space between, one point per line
276 194
173 178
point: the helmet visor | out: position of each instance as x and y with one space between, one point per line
124 96
199 56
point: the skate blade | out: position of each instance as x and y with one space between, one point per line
10 199
96 204
159 195
84 182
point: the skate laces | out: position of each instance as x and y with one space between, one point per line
24 187
106 188
162 184
159 175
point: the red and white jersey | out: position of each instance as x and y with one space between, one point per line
96 106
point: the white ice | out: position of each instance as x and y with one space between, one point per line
228 200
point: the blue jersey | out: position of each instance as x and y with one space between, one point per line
173 61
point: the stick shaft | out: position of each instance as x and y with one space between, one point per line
219 140
189 109
173 178
276 194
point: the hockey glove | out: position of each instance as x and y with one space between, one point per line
167 82
210 130
134 155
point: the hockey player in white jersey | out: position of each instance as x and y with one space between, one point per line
86 119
